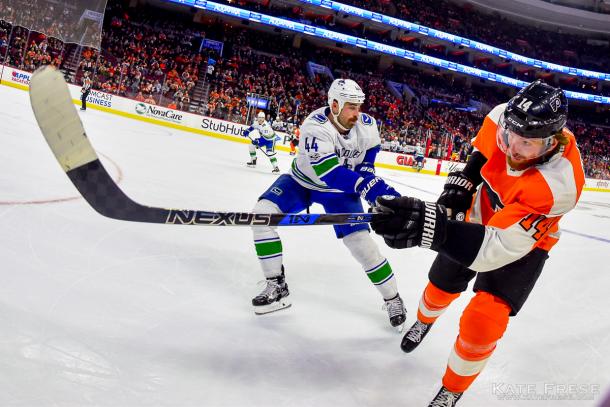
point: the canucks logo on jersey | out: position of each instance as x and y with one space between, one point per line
320 118
366 119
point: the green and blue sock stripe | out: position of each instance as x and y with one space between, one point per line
325 165
380 273
268 248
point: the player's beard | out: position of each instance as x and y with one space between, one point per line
521 164
524 164
348 124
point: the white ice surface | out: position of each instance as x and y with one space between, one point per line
99 312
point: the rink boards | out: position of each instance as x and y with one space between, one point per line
226 130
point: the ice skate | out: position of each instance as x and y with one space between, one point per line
251 163
414 336
274 297
445 398
396 312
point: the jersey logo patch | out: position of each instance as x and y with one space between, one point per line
366 119
320 118
494 198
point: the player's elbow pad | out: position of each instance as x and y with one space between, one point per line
341 178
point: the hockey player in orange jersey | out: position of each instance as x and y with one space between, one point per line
503 209
294 141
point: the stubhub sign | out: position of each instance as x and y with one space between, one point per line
223 127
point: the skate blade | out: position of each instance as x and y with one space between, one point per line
276 306
400 328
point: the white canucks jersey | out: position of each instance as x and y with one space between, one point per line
264 130
419 151
322 148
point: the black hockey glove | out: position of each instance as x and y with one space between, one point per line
457 195
410 222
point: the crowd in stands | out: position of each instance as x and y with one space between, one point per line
149 59
144 58
594 145
69 21
284 78
30 50
423 12
551 46
159 61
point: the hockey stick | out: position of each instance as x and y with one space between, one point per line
258 147
64 132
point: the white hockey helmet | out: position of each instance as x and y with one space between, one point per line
343 91
261 117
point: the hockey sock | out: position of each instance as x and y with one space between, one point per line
273 161
383 278
482 324
377 268
269 251
267 242
433 303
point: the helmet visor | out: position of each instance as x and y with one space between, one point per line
521 148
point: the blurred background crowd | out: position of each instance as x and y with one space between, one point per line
205 64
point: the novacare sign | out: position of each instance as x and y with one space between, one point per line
155 112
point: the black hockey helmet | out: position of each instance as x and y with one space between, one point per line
536 111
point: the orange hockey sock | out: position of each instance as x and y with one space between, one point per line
433 303
482 324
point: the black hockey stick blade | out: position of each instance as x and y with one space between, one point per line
61 126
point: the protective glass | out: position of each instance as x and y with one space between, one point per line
518 147
71 21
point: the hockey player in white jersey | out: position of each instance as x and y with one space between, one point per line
335 168
262 136
419 157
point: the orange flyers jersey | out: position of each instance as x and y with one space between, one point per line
521 209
